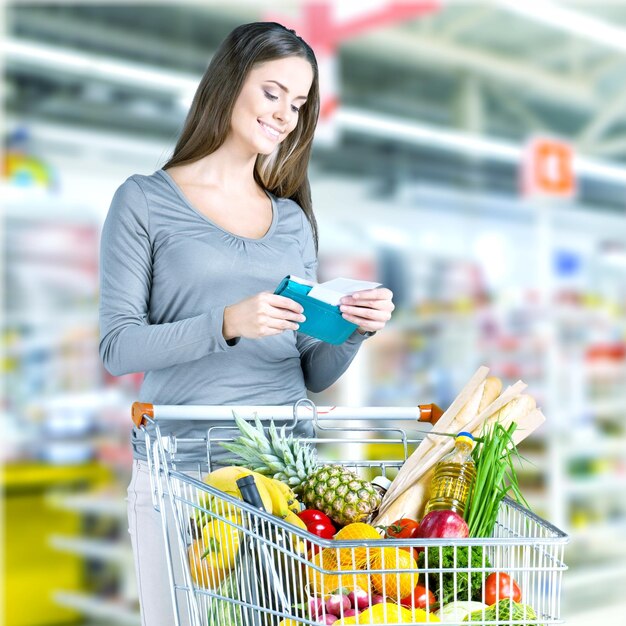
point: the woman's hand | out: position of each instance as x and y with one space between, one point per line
370 309
262 315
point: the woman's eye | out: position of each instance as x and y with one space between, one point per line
272 97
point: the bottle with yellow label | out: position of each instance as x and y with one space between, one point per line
453 479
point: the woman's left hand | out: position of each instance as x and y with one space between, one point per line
370 309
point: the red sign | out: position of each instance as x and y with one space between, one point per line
548 169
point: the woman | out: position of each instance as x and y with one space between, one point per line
190 257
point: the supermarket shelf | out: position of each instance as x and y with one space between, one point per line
54 319
111 505
600 531
592 447
582 576
93 606
600 484
601 615
110 551
608 407
423 322
606 369
42 342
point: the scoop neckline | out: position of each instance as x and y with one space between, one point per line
174 185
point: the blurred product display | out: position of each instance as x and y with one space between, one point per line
425 187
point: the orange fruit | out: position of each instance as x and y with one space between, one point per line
394 585
357 557
329 577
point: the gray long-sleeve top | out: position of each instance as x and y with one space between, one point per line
166 274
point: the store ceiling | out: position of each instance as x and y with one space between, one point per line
478 68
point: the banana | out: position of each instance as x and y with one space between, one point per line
290 496
298 544
225 479
280 506
292 518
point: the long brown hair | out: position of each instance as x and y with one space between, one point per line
284 171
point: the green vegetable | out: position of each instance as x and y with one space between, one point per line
495 479
221 611
468 584
455 612
503 611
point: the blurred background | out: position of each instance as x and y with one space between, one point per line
470 156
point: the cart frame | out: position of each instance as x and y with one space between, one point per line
264 575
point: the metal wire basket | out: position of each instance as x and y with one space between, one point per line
232 564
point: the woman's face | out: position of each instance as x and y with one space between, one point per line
266 110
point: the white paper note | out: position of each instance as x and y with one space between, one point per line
333 290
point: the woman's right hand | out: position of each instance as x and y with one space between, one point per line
262 315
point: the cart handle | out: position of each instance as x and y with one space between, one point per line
422 413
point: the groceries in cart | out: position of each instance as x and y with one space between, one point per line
451 539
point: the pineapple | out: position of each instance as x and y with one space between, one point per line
333 489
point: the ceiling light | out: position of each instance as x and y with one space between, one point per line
182 86
387 127
98 67
575 22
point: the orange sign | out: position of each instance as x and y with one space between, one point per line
548 169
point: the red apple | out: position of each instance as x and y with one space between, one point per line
440 524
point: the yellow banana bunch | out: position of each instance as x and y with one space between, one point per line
277 497
225 479
298 544
290 496
280 507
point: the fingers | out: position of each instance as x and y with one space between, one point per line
280 302
380 293
369 309
278 314
279 324
371 298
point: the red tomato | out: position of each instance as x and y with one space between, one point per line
404 528
500 586
419 599
318 523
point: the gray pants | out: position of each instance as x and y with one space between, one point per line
146 534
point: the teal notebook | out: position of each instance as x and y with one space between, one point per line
323 320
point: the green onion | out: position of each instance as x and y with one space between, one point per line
495 478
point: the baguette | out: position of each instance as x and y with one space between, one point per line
429 451
466 421
471 393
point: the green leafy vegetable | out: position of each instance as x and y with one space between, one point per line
221 611
495 478
503 611
468 585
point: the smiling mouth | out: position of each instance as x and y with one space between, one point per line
269 131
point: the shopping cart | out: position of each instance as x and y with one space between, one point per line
231 563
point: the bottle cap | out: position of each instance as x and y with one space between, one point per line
465 436
382 481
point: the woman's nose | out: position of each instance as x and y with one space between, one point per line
283 113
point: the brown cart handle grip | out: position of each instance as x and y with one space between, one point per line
429 413
139 410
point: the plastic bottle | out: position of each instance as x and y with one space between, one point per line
454 476
381 484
